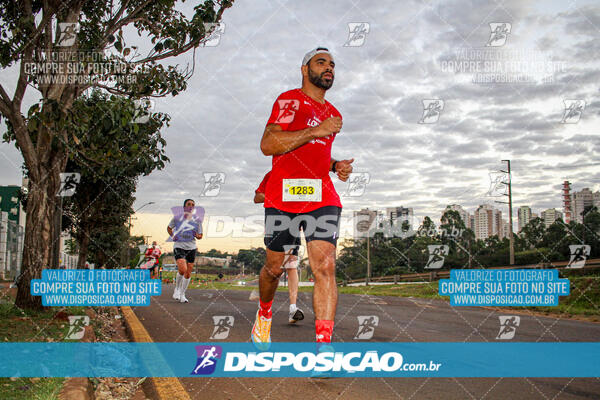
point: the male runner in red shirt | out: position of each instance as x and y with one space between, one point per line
153 254
299 194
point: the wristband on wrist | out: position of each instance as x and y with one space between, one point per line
333 166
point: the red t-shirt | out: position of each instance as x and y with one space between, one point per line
263 184
294 111
153 253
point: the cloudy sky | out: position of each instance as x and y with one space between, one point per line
412 52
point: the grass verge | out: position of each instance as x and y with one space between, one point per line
30 388
49 325
584 299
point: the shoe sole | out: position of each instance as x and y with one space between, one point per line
298 316
262 346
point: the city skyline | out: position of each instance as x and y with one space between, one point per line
142 221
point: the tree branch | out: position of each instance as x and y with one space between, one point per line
116 24
170 53
46 19
22 137
116 91
5 102
173 52
22 81
119 13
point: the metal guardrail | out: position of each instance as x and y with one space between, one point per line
434 275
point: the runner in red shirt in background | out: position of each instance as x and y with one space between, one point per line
153 253
299 194
290 263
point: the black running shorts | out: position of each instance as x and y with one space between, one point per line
189 255
282 229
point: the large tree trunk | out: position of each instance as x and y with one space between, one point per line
40 227
39 234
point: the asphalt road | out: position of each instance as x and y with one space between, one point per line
399 319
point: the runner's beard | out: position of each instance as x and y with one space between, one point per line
318 80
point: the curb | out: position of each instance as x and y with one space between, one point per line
160 388
79 388
76 389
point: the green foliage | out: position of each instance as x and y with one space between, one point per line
535 244
113 154
98 57
72 248
533 232
252 259
101 28
214 253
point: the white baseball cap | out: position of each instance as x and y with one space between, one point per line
314 52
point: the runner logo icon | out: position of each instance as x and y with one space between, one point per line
213 32
143 109
212 183
498 184
223 324
287 111
357 33
77 324
499 34
186 228
68 33
68 183
207 359
579 254
437 253
366 326
573 111
432 109
357 183
508 326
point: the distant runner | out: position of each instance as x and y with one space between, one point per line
152 259
184 231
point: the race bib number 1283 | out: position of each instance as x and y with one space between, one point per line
301 190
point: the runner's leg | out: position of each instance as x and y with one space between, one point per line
321 255
269 275
189 268
295 314
292 274
267 285
181 268
277 235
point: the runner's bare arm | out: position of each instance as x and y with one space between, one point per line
170 231
276 141
259 198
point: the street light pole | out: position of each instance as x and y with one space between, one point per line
142 206
368 260
57 235
511 238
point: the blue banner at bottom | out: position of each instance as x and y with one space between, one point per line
223 359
